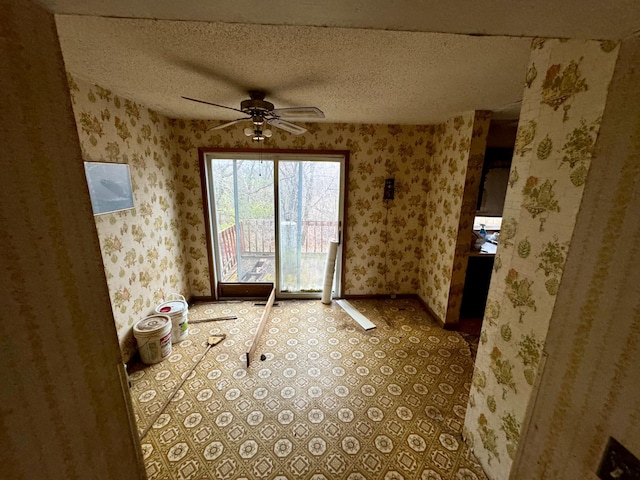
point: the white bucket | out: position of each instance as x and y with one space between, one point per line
153 335
177 311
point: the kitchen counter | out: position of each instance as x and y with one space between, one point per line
487 249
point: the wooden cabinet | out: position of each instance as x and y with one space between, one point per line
476 285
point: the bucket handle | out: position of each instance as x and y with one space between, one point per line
140 346
172 295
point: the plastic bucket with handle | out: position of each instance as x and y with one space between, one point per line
153 335
178 310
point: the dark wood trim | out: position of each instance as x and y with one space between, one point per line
377 296
270 151
432 314
201 299
263 322
244 290
343 236
207 221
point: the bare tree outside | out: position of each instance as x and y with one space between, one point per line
309 198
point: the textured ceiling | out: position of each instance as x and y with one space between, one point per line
353 75
381 66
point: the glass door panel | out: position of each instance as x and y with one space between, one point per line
309 202
244 220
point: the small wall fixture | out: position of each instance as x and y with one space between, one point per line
389 187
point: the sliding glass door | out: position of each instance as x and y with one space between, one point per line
255 242
309 202
244 220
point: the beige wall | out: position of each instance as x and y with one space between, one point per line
589 389
564 99
452 180
64 412
143 248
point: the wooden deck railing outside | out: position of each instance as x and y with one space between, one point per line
257 238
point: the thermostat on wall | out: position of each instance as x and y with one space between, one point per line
388 189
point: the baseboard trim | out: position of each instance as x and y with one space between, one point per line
376 296
197 298
432 314
427 309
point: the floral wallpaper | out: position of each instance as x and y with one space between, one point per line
142 249
591 392
384 240
452 181
566 89
159 247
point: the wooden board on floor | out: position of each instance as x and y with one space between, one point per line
263 321
356 315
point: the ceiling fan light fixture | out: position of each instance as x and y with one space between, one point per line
257 134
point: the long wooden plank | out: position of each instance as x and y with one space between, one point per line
356 315
263 321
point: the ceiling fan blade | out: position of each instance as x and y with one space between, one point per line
214 104
228 124
288 126
299 112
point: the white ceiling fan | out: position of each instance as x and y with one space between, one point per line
259 111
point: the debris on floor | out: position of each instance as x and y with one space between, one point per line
213 319
356 315
211 341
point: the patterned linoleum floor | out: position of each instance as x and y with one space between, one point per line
329 400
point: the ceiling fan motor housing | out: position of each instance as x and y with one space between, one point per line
255 106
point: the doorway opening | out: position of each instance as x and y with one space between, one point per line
270 218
